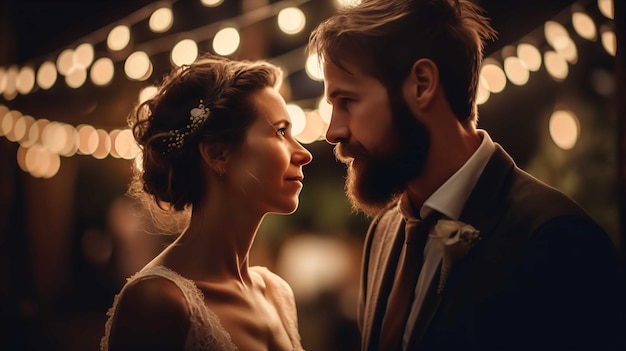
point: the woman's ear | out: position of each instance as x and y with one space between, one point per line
423 82
214 155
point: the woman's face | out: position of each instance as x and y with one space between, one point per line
267 167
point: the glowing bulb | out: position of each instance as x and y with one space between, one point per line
495 79
291 20
184 52
102 71
226 41
516 71
556 65
138 66
25 80
161 20
606 7
530 56
118 38
313 67
564 129
584 26
298 119
46 75
211 3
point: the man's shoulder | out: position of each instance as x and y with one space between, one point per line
530 194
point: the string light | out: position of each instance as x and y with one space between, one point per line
494 77
530 56
226 41
102 71
184 52
556 65
308 126
291 20
564 129
161 20
298 119
118 38
46 75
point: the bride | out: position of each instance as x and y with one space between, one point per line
217 146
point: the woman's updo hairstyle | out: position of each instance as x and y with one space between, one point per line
171 175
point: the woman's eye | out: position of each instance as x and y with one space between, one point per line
281 131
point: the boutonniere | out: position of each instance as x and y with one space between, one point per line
457 238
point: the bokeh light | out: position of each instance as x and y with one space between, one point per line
530 56
65 61
607 8
483 93
291 20
211 3
87 139
325 110
298 119
564 129
568 51
226 41
184 52
493 75
584 25
609 41
25 80
76 77
46 75
10 82
556 65
516 71
83 55
313 67
102 71
556 35
138 66
147 93
161 20
314 128
118 38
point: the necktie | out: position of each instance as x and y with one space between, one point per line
403 289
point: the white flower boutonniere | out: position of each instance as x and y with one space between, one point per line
457 238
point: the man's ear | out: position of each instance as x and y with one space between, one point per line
214 155
423 82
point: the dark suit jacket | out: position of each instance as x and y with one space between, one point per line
543 277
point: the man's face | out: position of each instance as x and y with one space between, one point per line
381 141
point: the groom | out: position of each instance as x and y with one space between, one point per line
466 251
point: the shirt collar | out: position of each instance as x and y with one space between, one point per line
450 198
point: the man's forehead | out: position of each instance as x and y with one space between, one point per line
344 77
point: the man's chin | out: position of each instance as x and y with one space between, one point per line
362 199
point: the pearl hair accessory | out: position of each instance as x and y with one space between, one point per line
197 116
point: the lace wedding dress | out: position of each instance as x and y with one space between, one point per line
206 331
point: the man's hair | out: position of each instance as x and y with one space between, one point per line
385 37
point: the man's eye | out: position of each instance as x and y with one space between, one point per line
344 102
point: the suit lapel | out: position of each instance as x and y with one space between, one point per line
482 208
480 211
385 252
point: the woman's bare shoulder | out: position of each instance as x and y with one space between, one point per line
152 311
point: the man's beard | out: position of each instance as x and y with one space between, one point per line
376 180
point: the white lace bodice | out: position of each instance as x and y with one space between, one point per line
206 331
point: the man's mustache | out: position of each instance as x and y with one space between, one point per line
346 151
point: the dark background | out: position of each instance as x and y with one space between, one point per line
54 288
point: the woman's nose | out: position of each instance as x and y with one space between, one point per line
301 156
